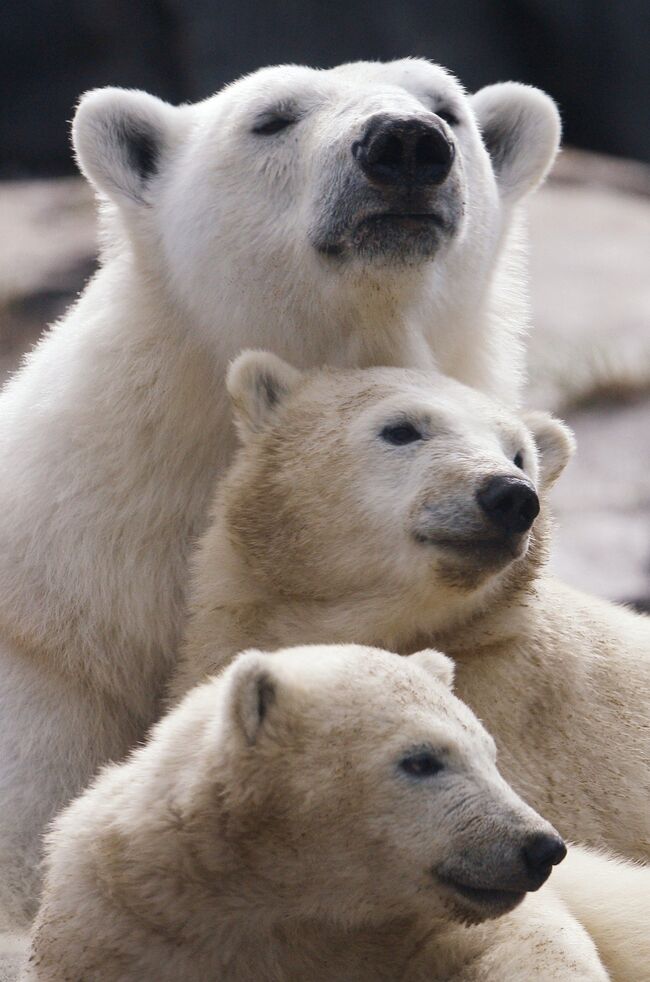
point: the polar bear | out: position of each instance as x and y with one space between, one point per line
321 813
362 215
395 508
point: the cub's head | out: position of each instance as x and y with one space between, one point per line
363 789
295 172
384 482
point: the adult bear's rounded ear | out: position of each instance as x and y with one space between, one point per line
440 666
252 693
258 382
521 130
120 139
555 443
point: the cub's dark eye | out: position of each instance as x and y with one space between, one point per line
450 118
518 460
273 124
400 434
421 764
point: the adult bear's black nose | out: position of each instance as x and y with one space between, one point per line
396 150
510 503
540 853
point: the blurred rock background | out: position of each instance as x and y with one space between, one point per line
589 361
590 225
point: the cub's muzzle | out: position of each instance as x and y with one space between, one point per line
509 877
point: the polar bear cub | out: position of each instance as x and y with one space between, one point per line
321 813
362 215
395 508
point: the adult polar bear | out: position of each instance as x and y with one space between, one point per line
351 216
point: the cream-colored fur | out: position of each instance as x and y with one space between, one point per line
611 898
317 534
216 236
323 531
273 828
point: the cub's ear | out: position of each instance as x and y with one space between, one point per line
521 130
252 693
258 382
437 664
555 443
120 138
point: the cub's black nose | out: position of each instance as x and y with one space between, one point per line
510 503
541 852
398 150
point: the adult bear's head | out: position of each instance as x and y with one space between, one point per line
292 176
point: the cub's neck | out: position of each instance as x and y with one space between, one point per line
235 606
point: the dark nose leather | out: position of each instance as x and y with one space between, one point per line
509 503
397 150
540 854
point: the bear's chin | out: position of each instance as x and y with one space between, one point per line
473 906
468 564
391 238
399 238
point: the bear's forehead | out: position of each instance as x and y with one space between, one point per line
404 699
350 691
355 668
350 677
416 75
408 72
385 392
396 709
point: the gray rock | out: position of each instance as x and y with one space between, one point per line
589 356
47 252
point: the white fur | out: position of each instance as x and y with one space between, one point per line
113 431
268 831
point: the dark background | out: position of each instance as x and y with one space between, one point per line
593 56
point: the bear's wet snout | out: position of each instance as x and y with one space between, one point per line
541 853
404 151
509 503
